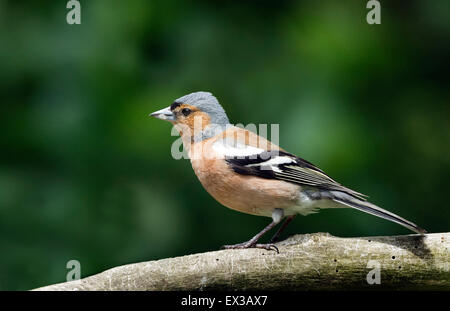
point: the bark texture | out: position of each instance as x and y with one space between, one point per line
306 262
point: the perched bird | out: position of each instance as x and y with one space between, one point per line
247 173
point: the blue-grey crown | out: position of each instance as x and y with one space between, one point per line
207 103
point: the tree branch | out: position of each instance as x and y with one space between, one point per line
312 261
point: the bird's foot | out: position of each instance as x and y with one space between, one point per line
273 240
268 246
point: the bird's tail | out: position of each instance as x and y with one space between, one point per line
372 209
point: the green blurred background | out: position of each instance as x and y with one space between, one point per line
85 174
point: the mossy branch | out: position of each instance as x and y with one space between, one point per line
312 261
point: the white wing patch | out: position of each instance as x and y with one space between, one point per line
230 148
273 163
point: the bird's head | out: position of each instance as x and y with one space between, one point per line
196 113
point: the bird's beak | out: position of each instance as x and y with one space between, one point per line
163 114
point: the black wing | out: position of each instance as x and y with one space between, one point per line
282 165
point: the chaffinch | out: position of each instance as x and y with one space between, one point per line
247 173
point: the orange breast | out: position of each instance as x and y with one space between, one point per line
247 194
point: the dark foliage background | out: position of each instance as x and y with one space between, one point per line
85 174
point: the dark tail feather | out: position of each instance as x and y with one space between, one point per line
377 211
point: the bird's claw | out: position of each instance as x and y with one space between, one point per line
269 246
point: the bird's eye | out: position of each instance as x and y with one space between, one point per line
186 111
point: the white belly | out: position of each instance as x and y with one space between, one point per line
308 206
